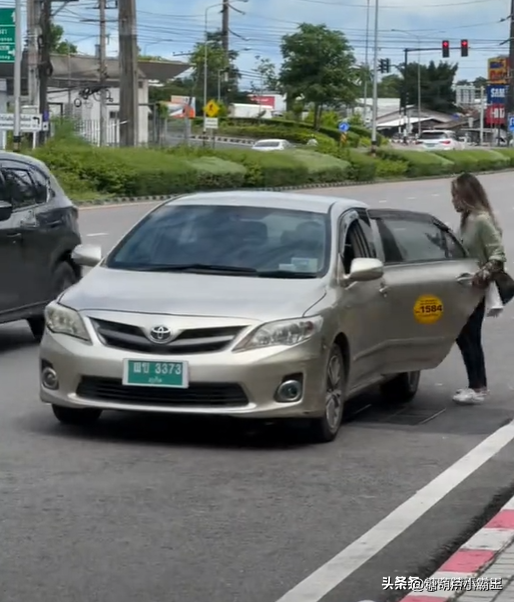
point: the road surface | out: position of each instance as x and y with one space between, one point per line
161 510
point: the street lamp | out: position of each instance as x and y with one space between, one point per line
206 56
419 72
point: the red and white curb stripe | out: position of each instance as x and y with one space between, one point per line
470 560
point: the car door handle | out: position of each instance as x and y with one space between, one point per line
14 236
383 290
466 279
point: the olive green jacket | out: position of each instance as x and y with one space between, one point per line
482 239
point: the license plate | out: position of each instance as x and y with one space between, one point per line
143 373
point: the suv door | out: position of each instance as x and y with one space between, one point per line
427 287
362 307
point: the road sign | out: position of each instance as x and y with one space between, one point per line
344 126
211 123
7 35
496 94
29 123
212 108
511 124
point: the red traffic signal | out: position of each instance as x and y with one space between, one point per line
464 48
446 49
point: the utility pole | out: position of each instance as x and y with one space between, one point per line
18 50
366 66
225 28
374 143
509 108
129 73
33 17
45 63
102 55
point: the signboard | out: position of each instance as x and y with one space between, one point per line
7 35
465 95
496 94
498 70
266 100
495 115
343 126
211 109
211 123
29 123
511 124
180 107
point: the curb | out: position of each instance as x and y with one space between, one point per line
345 184
469 561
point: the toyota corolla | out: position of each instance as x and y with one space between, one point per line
256 305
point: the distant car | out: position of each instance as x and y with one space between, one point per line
38 232
272 145
263 305
439 140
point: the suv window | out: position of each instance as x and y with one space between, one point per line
416 240
19 187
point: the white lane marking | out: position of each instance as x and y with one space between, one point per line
382 201
98 234
411 198
340 567
436 195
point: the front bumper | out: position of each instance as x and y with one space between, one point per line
240 384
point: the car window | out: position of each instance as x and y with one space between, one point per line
413 241
432 135
354 244
19 187
267 144
255 238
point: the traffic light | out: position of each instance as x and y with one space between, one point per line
446 49
464 48
384 65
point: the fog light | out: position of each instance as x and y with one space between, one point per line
49 378
289 391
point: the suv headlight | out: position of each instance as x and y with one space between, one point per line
282 332
63 320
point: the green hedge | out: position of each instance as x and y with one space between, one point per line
88 172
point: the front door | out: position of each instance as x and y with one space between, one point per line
11 266
427 288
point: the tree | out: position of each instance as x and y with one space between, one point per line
318 67
267 73
437 93
390 86
57 44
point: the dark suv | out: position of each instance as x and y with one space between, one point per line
38 232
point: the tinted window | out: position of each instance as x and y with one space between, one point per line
255 238
19 187
267 144
417 240
432 135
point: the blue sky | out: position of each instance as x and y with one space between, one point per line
172 27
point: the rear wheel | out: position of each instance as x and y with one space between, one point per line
62 278
76 417
401 388
325 428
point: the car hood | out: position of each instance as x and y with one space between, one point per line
262 299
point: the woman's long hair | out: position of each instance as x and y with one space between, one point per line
472 197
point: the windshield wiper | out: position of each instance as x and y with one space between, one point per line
285 274
193 267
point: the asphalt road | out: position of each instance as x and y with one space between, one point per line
160 510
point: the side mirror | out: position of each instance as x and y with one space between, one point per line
87 256
5 211
365 269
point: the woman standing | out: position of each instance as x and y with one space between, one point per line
481 236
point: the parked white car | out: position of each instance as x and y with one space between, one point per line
439 140
272 145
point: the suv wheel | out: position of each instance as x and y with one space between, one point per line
401 388
76 417
62 278
325 428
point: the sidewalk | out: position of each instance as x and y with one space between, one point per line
482 570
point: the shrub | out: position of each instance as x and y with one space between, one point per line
296 136
322 168
388 168
363 168
215 173
508 153
475 160
420 164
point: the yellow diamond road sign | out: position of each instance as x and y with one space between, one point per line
211 109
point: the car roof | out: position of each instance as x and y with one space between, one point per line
271 199
8 156
271 140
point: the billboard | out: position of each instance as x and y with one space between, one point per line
182 106
266 100
496 94
498 70
495 115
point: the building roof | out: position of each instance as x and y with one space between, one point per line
79 70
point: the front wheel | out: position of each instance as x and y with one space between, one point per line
325 428
402 388
63 277
76 417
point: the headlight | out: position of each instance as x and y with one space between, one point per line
63 320
283 332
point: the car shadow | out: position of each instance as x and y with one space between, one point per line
15 336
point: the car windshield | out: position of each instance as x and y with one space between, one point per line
267 144
233 240
433 135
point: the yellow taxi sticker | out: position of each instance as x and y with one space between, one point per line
428 309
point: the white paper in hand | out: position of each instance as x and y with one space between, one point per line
493 302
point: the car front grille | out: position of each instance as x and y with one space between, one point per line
133 338
227 395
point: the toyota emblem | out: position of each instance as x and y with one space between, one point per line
161 334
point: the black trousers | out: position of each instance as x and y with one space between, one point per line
470 345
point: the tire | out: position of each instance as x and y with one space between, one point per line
402 388
76 417
325 428
62 278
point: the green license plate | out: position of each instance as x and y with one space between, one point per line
142 373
